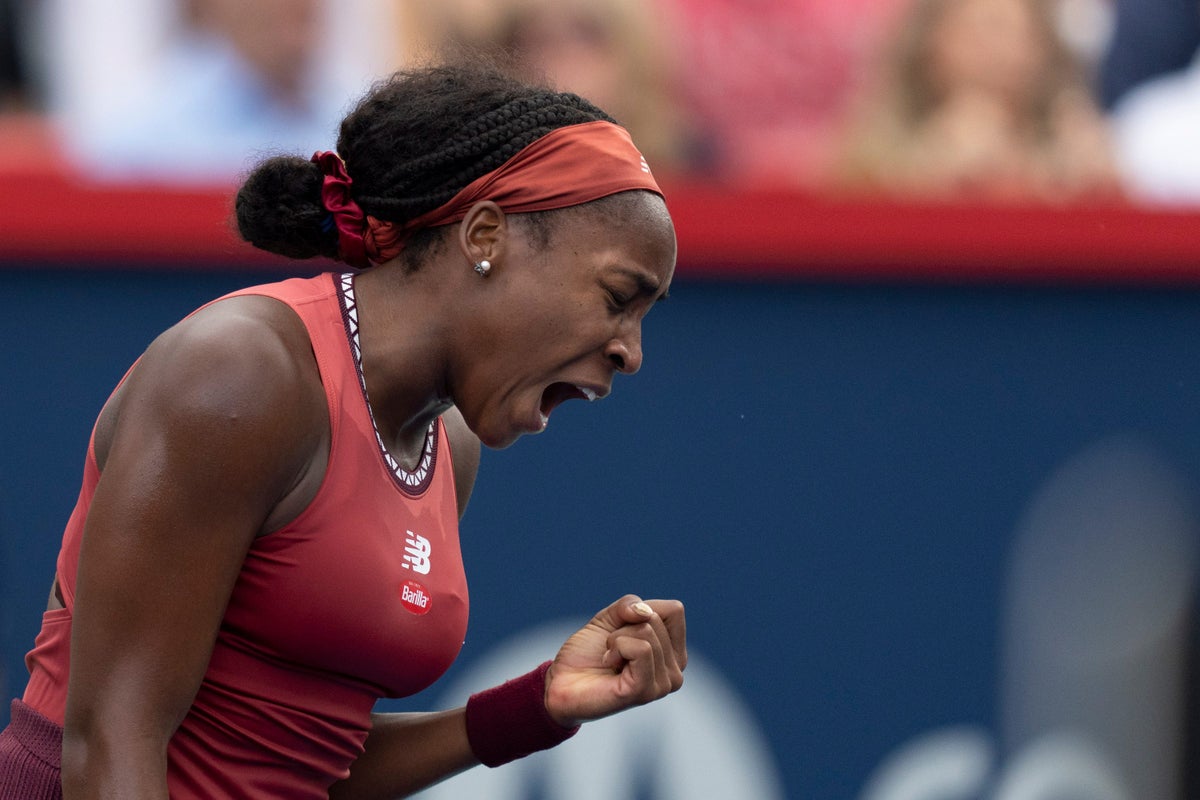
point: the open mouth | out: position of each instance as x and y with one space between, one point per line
559 392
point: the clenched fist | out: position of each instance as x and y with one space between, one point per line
629 654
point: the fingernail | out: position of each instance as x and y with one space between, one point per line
643 609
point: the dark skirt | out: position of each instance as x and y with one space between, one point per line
30 756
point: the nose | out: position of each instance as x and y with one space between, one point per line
625 351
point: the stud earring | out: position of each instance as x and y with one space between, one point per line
482 267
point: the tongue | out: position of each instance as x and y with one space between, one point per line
556 394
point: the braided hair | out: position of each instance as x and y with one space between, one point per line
410 145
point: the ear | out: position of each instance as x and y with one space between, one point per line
483 233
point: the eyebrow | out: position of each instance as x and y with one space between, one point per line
646 285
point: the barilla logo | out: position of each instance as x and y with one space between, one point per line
415 598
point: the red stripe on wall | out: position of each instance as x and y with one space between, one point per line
53 219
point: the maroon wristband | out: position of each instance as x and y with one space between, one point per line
510 721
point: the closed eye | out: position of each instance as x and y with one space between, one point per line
621 297
618 301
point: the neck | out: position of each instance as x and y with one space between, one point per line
402 331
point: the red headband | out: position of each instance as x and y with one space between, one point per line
566 167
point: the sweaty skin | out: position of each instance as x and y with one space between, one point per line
229 404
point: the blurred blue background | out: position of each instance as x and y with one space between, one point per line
832 477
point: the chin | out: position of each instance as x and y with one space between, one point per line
501 444
498 440
497 430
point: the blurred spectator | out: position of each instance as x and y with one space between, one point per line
15 90
27 143
770 80
616 53
195 90
980 100
1157 130
1086 27
1150 38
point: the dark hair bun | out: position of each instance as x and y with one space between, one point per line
413 142
279 209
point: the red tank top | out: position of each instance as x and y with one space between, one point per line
362 596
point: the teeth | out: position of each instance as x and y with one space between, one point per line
588 393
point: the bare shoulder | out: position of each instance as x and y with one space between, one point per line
238 373
210 431
465 448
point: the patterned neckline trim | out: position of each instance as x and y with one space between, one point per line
412 482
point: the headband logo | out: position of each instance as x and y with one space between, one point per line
645 166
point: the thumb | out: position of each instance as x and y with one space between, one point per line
629 610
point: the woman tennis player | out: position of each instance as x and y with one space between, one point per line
266 539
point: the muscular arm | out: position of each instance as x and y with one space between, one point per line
211 429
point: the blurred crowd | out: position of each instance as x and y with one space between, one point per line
1058 101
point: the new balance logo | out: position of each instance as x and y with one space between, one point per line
417 553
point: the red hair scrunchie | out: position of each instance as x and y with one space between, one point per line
348 217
